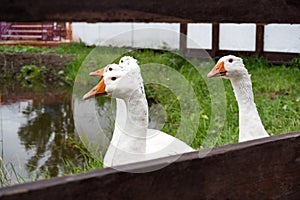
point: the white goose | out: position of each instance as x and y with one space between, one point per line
232 68
132 141
126 63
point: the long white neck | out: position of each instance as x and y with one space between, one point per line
250 125
131 123
120 121
121 111
128 143
121 115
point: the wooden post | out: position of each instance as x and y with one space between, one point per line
215 39
259 44
69 32
183 37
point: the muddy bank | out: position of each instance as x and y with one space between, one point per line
14 61
53 65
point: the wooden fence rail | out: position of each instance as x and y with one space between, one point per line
268 168
203 11
180 11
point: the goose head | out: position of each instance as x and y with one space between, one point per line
229 67
116 83
126 63
111 67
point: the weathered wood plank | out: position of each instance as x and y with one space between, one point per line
215 39
237 11
183 37
271 57
259 41
260 169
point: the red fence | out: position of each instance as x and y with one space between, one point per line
32 31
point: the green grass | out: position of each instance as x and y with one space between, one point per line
89 162
276 91
277 95
8 174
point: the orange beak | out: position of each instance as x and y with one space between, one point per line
98 73
98 90
218 70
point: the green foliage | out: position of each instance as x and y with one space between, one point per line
22 49
31 72
32 76
80 51
89 161
73 48
296 62
8 174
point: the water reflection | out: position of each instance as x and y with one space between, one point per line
94 123
47 134
37 131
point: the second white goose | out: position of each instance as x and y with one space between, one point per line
233 68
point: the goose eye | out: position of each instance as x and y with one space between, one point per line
230 60
122 61
110 69
113 78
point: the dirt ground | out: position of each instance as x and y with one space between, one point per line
15 61
49 85
53 68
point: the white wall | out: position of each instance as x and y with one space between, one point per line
199 35
237 37
283 38
140 35
97 33
278 37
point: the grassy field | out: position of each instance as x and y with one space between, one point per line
276 91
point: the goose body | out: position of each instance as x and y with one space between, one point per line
132 141
232 68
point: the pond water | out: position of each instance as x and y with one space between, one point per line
36 130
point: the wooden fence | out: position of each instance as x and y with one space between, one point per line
260 12
268 168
